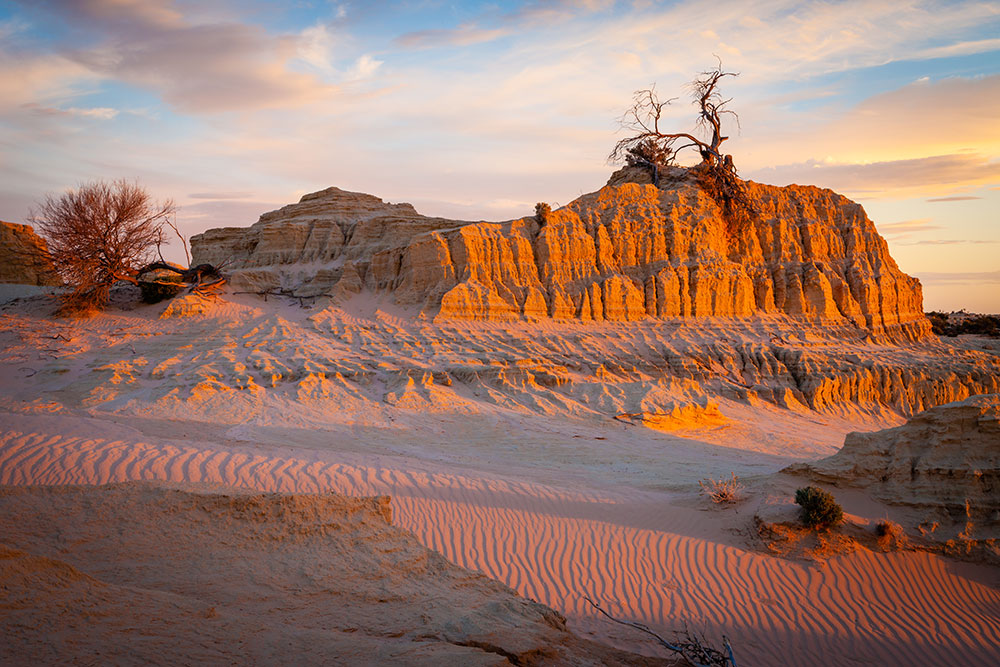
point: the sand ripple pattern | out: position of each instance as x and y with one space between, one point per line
555 545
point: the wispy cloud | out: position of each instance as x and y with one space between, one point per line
958 49
905 228
103 113
951 242
972 277
939 171
220 195
463 35
942 199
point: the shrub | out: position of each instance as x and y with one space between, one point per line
722 491
542 212
99 234
819 508
890 535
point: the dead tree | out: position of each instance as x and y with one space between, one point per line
650 142
650 146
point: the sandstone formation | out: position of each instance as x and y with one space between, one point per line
328 239
169 576
945 458
24 257
630 251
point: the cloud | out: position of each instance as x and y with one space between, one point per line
904 228
958 49
973 277
103 113
364 67
220 195
897 176
40 79
463 35
951 242
940 199
195 66
316 47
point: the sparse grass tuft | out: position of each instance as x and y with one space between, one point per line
723 491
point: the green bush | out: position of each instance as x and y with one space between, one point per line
967 323
819 508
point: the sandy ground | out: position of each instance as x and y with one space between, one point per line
520 484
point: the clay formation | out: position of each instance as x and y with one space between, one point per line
630 251
24 257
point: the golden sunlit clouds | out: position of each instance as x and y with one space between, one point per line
919 177
924 118
928 137
479 105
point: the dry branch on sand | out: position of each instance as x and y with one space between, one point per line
691 647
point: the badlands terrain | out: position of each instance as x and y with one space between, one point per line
538 399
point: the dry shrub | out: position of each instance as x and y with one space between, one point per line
542 212
793 541
99 234
890 536
723 491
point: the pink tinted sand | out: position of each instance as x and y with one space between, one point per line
645 555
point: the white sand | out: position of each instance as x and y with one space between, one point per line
511 477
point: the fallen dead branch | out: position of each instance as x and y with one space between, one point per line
281 293
692 648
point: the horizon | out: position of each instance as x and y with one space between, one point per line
479 110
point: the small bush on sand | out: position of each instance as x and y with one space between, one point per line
722 491
542 212
890 535
819 508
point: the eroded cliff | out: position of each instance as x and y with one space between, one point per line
24 257
630 251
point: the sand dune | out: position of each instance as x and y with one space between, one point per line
647 556
141 574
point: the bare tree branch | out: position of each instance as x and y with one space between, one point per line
648 143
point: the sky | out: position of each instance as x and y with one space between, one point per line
477 110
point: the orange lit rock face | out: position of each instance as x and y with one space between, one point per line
627 252
23 257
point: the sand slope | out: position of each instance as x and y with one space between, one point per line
145 574
501 449
650 557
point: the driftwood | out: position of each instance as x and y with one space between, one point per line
193 274
692 649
